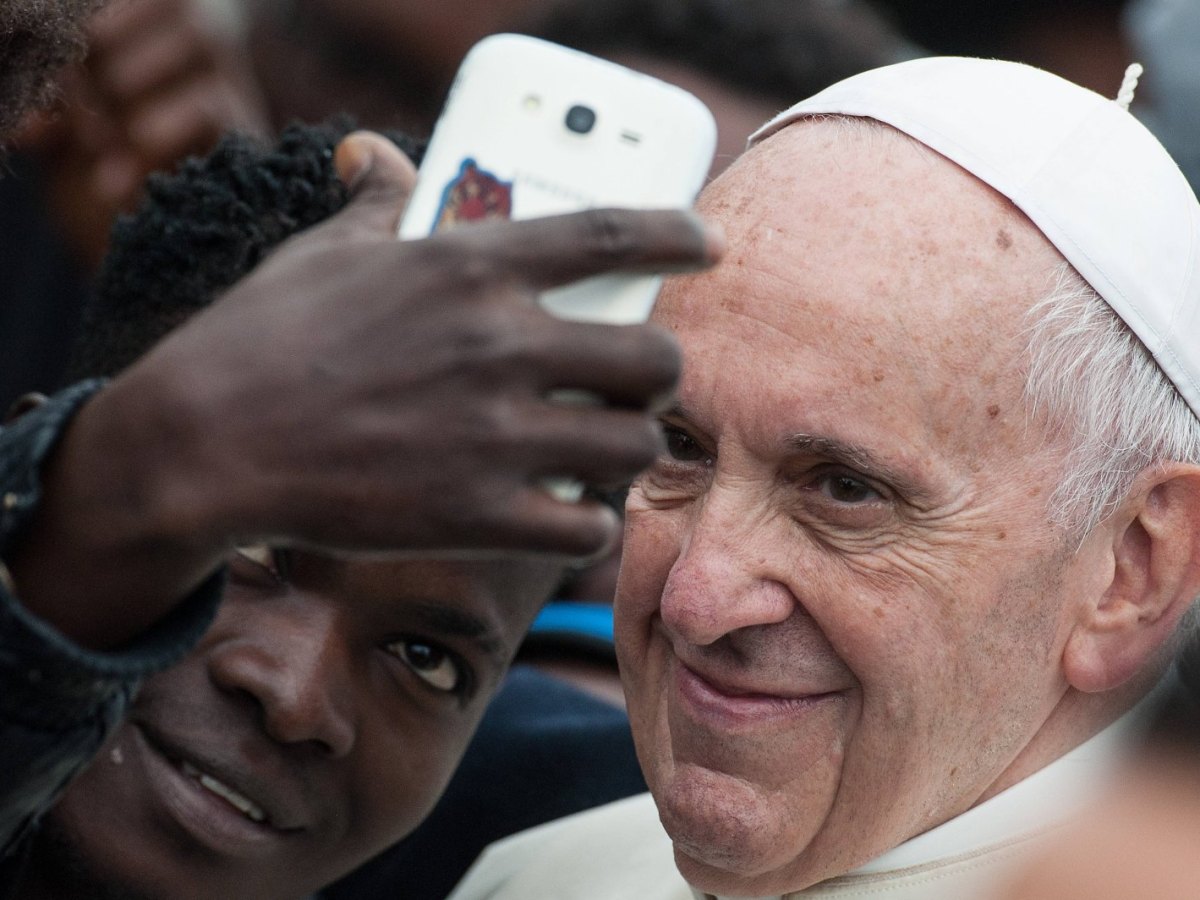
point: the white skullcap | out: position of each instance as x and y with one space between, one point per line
1089 175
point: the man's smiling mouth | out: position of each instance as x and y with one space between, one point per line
737 707
241 802
240 814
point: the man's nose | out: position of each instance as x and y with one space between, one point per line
722 580
292 659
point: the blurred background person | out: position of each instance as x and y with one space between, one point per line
1082 40
1165 36
1143 840
1089 42
164 79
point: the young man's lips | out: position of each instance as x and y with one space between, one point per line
219 814
731 705
234 798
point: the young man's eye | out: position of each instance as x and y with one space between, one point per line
433 665
261 562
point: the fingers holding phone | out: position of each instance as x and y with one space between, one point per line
532 129
392 395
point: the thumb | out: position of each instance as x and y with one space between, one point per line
380 178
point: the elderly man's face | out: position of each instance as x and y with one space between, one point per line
842 608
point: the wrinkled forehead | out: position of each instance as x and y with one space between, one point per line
870 286
890 228
850 162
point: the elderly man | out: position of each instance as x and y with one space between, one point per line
926 531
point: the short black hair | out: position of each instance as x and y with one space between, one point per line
202 228
782 50
986 27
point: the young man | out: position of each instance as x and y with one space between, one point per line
353 393
322 713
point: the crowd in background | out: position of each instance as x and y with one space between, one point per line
165 78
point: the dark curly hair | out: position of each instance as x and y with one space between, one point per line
201 229
781 50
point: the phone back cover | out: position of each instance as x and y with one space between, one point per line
502 150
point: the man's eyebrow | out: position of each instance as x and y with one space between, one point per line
676 411
446 621
860 459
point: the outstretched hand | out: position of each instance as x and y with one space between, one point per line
358 393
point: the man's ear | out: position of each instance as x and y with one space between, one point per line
22 405
1155 546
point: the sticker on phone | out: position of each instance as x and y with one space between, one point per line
474 195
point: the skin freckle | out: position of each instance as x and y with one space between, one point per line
878 376
993 411
1003 239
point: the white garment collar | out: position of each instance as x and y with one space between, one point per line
1047 797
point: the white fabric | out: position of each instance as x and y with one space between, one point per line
1089 175
620 851
1044 798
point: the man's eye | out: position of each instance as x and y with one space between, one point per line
267 561
845 489
683 447
430 662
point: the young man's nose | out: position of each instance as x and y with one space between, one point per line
293 660
721 583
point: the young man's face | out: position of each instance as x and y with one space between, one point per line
316 723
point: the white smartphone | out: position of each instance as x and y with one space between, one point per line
534 129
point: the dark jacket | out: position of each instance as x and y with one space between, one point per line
59 701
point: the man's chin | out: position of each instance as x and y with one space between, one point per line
39 38
59 867
730 838
725 881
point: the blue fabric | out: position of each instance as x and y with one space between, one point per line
593 620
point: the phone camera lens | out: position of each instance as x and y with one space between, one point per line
580 119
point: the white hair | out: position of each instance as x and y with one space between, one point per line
1102 392
1104 396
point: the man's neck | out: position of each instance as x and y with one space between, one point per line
1076 718
56 870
